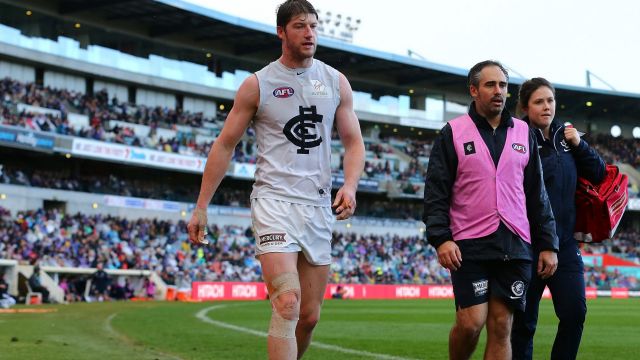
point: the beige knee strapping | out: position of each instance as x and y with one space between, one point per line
280 326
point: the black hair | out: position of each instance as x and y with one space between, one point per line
473 78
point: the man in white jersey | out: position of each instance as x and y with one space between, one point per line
292 104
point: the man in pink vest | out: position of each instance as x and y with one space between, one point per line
486 211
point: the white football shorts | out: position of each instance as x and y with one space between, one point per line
281 226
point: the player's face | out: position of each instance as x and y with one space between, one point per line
541 107
490 95
300 36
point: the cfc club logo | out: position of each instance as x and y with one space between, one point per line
517 288
469 148
283 92
297 129
519 148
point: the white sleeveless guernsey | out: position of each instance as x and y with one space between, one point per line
293 129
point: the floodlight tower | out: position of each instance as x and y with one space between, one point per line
337 26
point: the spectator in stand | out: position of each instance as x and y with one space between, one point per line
65 286
340 293
100 284
149 289
6 300
35 283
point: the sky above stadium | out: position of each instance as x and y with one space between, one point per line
556 39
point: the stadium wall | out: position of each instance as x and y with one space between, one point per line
214 291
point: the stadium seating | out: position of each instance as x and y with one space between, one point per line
50 238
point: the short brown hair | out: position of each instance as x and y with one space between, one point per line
291 8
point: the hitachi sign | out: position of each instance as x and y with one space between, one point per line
407 292
441 292
210 291
244 291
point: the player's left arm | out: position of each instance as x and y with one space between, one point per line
353 163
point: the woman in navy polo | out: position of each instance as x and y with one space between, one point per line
564 157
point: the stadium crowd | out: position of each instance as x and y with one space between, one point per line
153 189
115 185
617 150
50 238
101 110
625 244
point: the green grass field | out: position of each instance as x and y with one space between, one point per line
349 329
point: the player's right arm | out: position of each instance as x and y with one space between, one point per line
244 108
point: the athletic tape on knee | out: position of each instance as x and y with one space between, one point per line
279 326
283 283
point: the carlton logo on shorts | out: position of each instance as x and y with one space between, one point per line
480 287
517 288
297 129
519 148
272 239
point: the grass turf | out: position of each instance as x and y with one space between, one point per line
412 329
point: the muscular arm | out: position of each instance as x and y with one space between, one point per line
244 108
349 130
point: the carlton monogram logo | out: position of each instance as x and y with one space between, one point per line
517 288
469 148
297 129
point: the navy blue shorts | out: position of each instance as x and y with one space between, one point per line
476 280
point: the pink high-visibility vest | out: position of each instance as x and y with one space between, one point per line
482 195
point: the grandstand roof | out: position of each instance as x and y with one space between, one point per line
184 31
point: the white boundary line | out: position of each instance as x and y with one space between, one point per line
112 331
202 315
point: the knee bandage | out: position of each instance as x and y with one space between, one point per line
283 321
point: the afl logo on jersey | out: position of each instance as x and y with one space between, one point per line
519 148
283 92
